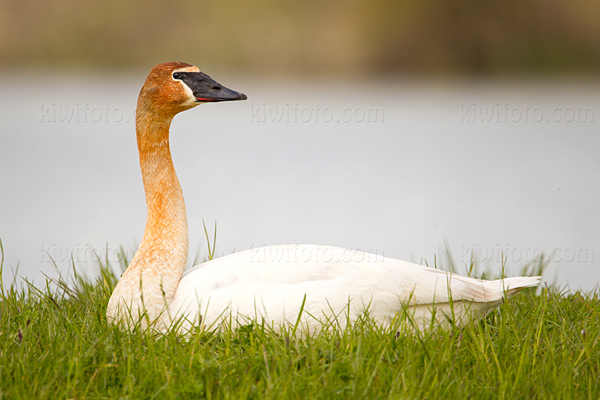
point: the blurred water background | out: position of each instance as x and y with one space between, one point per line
399 128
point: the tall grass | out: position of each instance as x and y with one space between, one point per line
55 343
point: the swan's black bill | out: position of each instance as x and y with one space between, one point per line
205 88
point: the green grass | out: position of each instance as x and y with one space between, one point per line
55 343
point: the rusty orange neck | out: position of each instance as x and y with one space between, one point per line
152 277
166 224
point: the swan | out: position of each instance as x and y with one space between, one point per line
306 285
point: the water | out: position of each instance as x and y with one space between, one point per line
497 170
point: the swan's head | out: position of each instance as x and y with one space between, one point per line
175 86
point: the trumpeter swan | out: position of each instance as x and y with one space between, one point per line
275 285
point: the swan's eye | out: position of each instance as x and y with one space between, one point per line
176 75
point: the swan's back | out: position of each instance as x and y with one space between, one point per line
329 284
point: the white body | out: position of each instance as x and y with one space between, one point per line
331 286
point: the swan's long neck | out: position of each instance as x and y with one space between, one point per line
150 282
164 246
166 225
